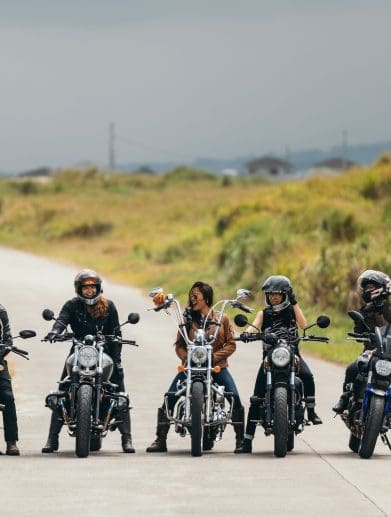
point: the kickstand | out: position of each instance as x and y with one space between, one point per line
386 441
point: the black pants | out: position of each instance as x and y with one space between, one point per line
9 413
305 375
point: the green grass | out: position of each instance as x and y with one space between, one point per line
188 225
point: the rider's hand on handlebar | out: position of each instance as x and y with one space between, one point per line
50 336
246 336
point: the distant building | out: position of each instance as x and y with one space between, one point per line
36 173
333 165
270 168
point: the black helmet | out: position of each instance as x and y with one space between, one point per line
277 284
88 277
380 280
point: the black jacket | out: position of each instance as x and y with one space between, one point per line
374 317
74 313
280 322
6 339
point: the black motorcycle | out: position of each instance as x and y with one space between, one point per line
368 411
86 401
281 413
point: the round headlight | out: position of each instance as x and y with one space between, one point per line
383 368
88 356
281 356
199 355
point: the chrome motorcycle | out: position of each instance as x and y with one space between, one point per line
203 408
86 401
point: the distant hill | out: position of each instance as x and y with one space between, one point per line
364 154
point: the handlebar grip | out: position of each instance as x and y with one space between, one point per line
19 351
162 306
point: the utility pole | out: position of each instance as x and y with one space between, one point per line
112 146
344 149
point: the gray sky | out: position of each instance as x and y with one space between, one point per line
183 79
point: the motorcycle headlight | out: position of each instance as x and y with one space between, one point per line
199 355
88 356
383 368
281 356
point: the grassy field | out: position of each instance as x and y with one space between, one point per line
172 230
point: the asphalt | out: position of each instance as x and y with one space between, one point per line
320 477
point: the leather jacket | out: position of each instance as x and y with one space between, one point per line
6 339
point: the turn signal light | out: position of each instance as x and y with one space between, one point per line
181 368
217 369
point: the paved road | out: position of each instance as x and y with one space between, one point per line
321 477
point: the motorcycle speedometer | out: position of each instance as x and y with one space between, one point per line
281 356
88 357
199 355
383 368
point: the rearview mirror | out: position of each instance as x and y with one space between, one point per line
26 334
240 320
153 292
358 318
243 293
133 317
48 315
323 321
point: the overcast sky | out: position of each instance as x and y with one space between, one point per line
183 79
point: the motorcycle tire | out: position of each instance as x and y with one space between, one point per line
83 420
280 419
291 442
354 443
95 442
197 404
372 427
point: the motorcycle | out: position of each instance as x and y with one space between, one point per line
281 413
6 349
86 401
368 411
200 409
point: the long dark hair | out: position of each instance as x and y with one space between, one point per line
207 293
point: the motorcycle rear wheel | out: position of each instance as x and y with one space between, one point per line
354 443
83 421
280 427
95 442
197 404
372 427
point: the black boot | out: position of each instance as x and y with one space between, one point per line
342 404
245 447
125 430
311 415
54 430
163 426
238 419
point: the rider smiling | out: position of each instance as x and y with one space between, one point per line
200 303
85 313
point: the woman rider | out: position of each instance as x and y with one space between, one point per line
282 311
86 313
200 303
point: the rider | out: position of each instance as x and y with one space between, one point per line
375 289
200 303
282 311
6 394
84 313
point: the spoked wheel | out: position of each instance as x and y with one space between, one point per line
280 427
354 443
372 427
197 404
83 420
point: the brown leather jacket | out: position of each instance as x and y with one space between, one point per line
223 346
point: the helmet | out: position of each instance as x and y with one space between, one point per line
277 284
88 277
380 280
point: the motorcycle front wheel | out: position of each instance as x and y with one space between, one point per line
372 427
197 404
83 420
280 427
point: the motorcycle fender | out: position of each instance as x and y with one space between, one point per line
379 393
281 384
